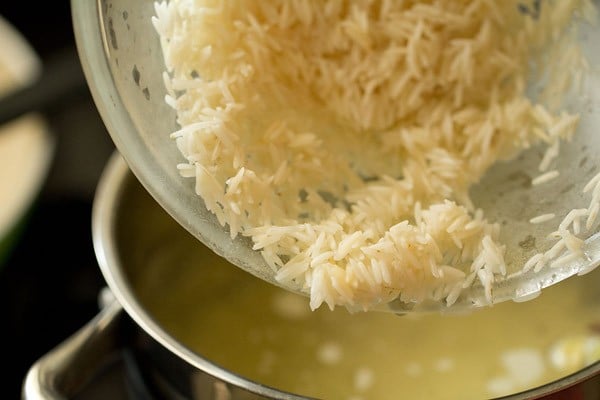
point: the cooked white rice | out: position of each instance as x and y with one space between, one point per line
342 137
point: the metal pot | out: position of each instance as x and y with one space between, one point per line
170 369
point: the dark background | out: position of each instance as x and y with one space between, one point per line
50 282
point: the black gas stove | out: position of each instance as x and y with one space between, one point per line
50 283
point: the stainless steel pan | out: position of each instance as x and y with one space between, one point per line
128 223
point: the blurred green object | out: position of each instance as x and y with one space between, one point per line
8 242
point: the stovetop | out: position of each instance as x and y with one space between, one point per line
50 282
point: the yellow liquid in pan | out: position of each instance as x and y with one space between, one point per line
270 336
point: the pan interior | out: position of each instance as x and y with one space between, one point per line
270 336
